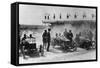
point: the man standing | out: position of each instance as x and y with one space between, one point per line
49 39
65 34
45 38
23 45
70 35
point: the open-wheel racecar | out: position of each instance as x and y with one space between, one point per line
87 44
84 40
65 44
29 47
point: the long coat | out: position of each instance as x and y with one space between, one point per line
49 36
45 37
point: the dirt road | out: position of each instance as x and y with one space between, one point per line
57 55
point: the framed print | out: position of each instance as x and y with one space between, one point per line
52 33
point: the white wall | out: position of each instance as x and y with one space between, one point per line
34 15
5 33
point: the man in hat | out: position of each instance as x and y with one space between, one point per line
45 38
65 34
49 39
70 35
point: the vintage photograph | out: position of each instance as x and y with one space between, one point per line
56 34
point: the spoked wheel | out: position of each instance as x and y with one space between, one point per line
73 47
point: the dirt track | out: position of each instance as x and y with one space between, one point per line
57 55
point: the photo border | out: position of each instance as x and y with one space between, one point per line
58 5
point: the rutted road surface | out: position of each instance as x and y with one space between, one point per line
57 55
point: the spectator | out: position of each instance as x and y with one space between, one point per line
65 33
49 39
23 45
70 35
45 39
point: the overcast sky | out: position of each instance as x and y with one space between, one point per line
34 14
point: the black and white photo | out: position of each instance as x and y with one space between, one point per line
49 33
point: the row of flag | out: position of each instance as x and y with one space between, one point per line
47 17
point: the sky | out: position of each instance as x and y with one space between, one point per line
34 14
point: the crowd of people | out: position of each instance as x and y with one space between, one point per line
66 35
46 39
24 44
29 42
